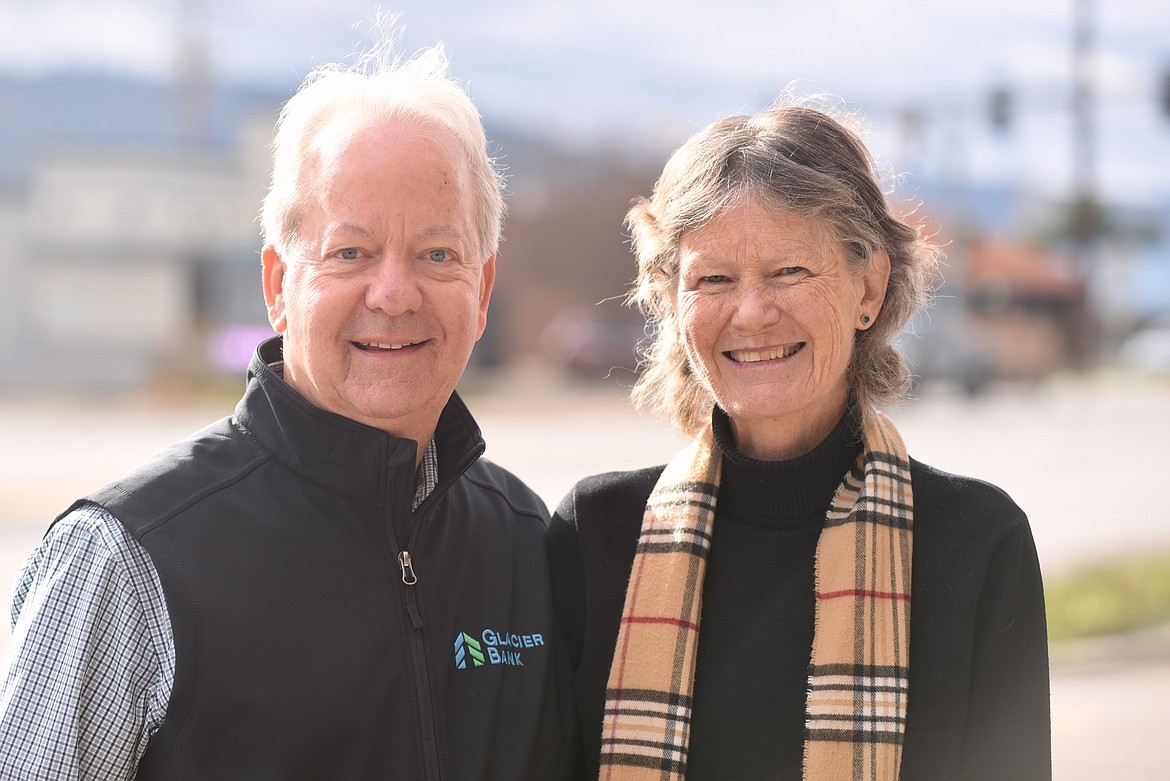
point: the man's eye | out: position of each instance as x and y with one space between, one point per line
790 270
714 278
438 255
349 253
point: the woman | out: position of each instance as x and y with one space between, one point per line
793 596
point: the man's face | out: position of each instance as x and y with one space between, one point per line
386 289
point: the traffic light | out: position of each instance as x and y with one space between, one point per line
1164 85
1001 108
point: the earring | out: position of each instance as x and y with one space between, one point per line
865 319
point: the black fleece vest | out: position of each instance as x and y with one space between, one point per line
300 651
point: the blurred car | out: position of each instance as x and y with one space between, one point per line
945 348
1147 349
593 342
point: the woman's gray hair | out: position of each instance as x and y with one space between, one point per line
799 157
379 86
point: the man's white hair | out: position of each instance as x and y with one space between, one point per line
380 85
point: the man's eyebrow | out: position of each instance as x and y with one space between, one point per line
435 231
354 229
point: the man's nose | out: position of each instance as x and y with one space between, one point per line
394 287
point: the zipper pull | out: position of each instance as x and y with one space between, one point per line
408 576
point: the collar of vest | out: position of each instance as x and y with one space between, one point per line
342 454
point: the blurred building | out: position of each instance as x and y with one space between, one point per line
129 207
1032 306
123 260
1003 310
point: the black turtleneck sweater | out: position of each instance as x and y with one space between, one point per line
978 704
757 620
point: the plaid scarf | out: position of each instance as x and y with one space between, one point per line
856 708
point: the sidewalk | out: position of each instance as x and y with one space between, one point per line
1109 700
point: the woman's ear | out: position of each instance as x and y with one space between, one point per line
874 280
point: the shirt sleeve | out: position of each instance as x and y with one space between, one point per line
90 665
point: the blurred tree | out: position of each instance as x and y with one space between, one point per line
1085 219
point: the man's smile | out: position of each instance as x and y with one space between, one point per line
384 346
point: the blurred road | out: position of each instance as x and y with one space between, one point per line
1079 455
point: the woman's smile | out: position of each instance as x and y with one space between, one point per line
760 355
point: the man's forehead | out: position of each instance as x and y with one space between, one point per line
365 172
352 129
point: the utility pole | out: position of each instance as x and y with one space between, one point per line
193 81
1086 215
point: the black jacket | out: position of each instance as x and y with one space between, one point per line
306 648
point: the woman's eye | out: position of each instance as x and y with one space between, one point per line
438 255
790 270
349 253
714 278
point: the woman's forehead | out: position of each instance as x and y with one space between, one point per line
757 224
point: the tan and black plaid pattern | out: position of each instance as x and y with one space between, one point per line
857 678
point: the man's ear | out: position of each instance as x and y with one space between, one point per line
273 273
487 279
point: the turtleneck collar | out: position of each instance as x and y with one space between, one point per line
797 487
337 452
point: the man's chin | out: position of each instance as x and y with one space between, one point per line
398 412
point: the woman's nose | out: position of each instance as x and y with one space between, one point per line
756 307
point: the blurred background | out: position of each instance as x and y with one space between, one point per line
1033 138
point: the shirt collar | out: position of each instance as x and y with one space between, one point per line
428 475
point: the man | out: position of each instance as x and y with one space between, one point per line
330 583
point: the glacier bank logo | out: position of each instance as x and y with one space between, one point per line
492 647
467 647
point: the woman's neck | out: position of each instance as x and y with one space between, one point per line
781 439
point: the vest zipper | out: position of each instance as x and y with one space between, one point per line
422 680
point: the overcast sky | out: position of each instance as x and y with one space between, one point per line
650 72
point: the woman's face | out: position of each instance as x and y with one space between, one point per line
767 308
